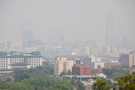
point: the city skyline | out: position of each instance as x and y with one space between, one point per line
78 20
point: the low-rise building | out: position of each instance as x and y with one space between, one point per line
9 60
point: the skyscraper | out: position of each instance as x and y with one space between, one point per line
56 37
62 64
110 34
27 33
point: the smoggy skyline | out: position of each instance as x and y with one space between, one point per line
85 20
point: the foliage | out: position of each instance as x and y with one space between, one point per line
40 71
75 77
39 79
100 84
114 72
108 81
65 73
126 82
43 84
8 80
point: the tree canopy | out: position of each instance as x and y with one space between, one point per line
100 84
113 73
39 78
126 82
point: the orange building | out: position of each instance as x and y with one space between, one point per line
81 70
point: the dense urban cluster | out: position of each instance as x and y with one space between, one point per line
58 65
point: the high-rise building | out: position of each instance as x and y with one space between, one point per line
124 58
56 37
82 50
62 64
125 42
110 34
128 59
132 59
27 35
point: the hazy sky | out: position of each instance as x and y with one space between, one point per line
79 19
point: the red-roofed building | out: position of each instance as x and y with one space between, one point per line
81 70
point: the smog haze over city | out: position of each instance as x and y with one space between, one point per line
75 19
67 44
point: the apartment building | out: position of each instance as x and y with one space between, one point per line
62 64
128 59
132 59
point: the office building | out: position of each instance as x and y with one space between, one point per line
132 59
128 59
110 34
81 70
124 58
24 60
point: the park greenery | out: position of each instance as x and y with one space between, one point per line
43 84
39 78
40 71
113 73
100 84
126 82
65 73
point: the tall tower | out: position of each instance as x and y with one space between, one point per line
56 37
27 33
110 35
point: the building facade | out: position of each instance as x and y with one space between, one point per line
124 59
7 61
81 70
62 64
132 59
128 59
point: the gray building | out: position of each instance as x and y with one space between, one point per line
110 34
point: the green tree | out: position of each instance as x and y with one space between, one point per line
20 86
125 82
69 72
100 84
75 78
63 73
113 73
80 85
8 80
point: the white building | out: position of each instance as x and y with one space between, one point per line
8 61
62 64
97 65
132 59
101 75
96 62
